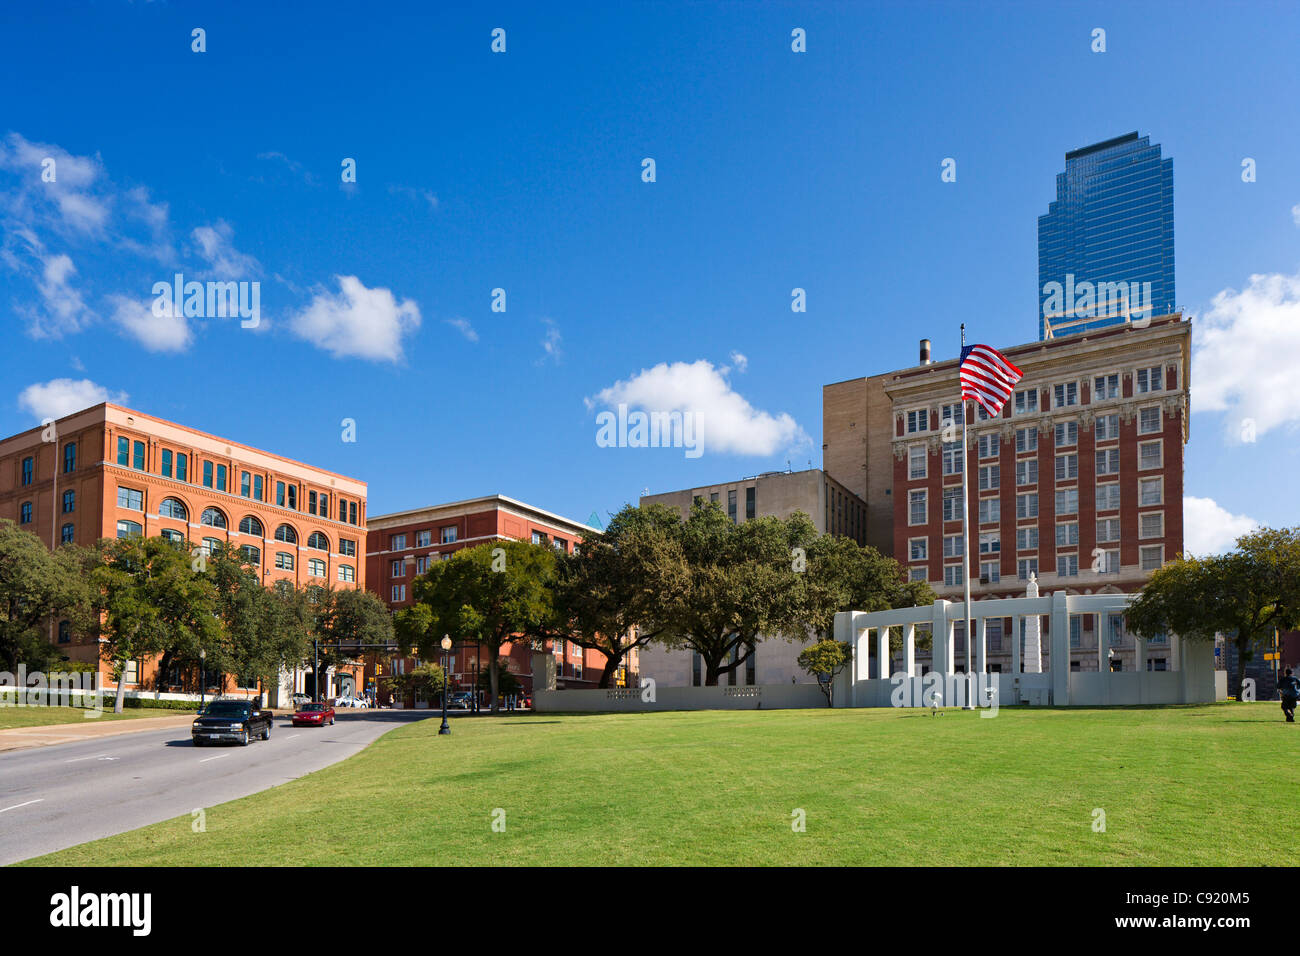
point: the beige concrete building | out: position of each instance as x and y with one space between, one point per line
833 509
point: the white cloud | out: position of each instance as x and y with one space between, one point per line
551 344
63 303
739 360
466 329
157 333
1295 213
1243 356
726 421
410 192
63 396
1211 529
217 247
358 322
70 203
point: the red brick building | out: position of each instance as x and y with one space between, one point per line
1079 482
109 471
401 545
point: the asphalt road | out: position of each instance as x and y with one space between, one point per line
58 796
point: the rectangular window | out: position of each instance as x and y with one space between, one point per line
918 549
952 575
952 504
1067 565
993 634
207 474
422 564
1152 557
990 476
311 502
1108 562
399 592
990 510
347 572
323 505
352 512
750 507
1149 454
423 539
245 484
1027 471
343 510
916 574
449 534
990 572
1149 420
1027 505
69 502
1067 433
1026 401
69 458
1108 496
1148 379
293 497
1105 386
182 463
397 542
279 493
66 535
397 569
347 547
1152 525
952 546
1026 539
1107 529
731 505
1067 466
1067 501
1067 534
137 456
990 543
952 456
1025 567
1076 630
1027 439
284 561
1108 461
1065 395
130 498
951 414
166 470
916 461
257 487
918 420
221 477
123 451
25 513
28 470
916 510
1150 492
989 445
1107 427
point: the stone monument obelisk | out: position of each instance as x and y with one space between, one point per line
1033 628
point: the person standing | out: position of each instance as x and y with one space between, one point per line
1289 690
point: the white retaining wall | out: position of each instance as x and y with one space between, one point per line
625 700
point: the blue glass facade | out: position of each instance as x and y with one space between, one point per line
1106 245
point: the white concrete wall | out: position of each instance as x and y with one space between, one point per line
625 700
776 661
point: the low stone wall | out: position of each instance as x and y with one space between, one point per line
627 700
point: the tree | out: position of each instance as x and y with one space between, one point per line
493 593
1245 593
507 682
152 603
824 660
35 584
342 621
427 680
606 591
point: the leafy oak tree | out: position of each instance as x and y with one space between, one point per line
824 660
36 584
1243 594
493 593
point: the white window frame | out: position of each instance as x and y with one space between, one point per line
1067 460
912 501
1144 554
1107 461
1160 420
1024 513
1160 447
913 459
1142 524
1029 535
1030 443
1067 492
1159 482
1098 497
918 549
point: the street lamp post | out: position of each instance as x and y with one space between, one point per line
203 675
446 649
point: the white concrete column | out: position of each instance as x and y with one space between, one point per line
909 649
1060 649
941 655
1017 623
843 631
1176 654
981 648
1103 642
882 653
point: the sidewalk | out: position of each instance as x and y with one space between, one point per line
23 738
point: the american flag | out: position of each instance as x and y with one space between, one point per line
987 377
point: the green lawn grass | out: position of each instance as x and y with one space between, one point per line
1197 785
44 716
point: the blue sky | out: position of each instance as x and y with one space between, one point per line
522 171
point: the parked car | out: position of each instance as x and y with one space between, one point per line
461 699
349 701
313 715
300 699
236 720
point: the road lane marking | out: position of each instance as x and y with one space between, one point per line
96 757
217 757
19 806
291 736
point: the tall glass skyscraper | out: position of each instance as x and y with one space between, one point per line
1106 245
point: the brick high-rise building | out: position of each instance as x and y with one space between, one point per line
109 471
401 545
1079 481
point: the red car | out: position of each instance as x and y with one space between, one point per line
313 715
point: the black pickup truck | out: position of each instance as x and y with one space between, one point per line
237 720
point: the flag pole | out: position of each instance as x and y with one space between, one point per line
965 526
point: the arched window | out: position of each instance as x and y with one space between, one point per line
213 518
251 554
284 560
316 568
347 572
128 529
173 508
286 534
210 545
250 525
174 538
318 541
